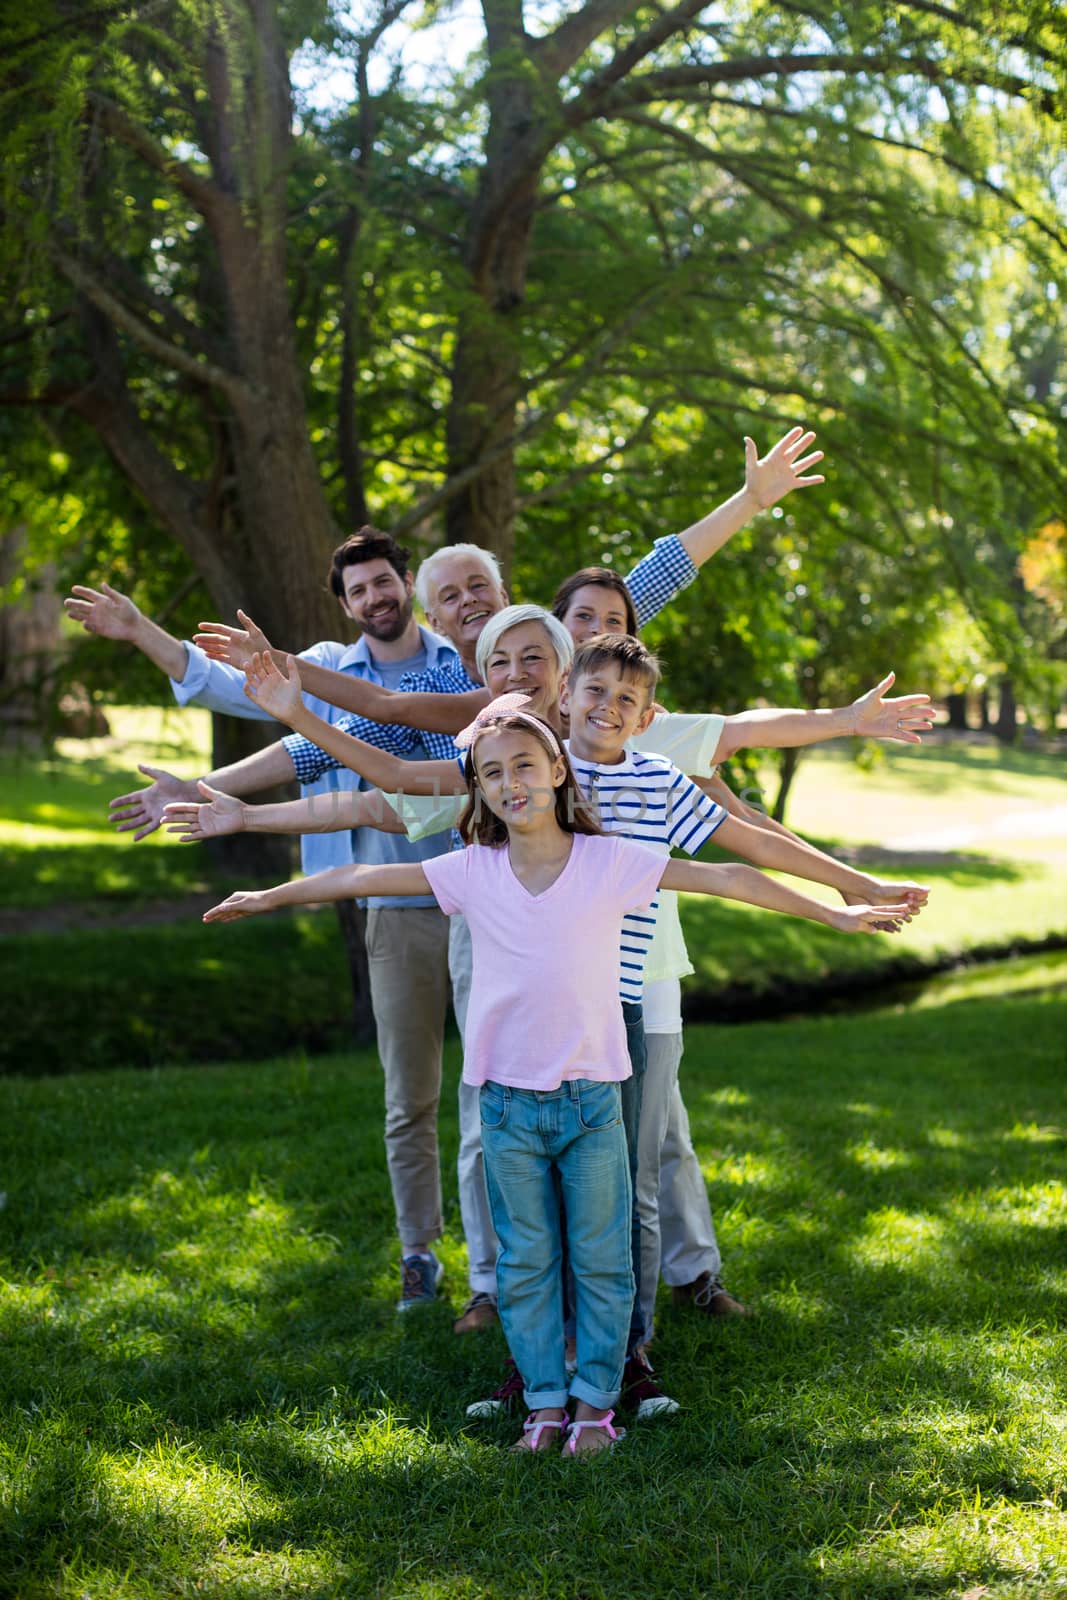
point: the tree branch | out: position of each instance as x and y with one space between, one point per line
600 98
651 299
560 485
555 53
202 371
200 191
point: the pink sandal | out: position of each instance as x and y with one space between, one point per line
532 1430
574 1433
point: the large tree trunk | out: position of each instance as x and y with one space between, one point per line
486 371
266 856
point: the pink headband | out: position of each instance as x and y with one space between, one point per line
504 706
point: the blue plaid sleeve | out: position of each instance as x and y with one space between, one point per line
659 576
451 679
310 762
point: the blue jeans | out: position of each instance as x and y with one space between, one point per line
631 1090
540 1146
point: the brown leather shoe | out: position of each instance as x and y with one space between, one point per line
479 1312
707 1294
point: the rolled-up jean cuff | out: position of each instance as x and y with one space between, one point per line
542 1399
600 1398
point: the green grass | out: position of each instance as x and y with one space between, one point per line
205 1389
56 844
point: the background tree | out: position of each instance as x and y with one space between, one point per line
548 288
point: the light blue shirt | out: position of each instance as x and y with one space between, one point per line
216 686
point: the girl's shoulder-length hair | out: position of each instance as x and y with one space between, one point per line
480 825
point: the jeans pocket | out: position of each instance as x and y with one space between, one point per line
494 1103
599 1105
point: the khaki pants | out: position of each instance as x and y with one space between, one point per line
407 955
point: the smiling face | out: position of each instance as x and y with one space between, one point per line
518 778
594 609
524 661
463 596
377 599
606 707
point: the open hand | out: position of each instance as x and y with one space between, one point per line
143 808
907 718
245 903
872 919
911 895
270 689
224 814
236 646
103 611
771 477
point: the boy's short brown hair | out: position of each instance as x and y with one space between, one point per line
366 544
633 659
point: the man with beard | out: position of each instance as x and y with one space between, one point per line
407 940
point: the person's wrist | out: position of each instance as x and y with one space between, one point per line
136 628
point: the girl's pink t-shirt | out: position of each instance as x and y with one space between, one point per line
544 1003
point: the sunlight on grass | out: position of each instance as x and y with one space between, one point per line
893 1238
1002 1553
172 1480
875 1158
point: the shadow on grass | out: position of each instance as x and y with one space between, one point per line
209 1384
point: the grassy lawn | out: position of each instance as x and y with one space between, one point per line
205 1388
56 844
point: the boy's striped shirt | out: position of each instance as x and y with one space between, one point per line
646 798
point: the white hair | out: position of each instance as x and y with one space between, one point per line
424 576
503 621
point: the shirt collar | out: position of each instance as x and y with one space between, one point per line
439 653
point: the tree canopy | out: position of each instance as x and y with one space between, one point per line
533 296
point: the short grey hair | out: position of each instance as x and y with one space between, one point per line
424 576
509 618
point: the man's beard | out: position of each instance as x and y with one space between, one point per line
390 624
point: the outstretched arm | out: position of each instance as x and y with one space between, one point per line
338 883
719 790
745 883
333 812
768 479
871 716
782 853
281 696
112 615
142 809
431 713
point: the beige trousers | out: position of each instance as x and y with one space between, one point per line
407 955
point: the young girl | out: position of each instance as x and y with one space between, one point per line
545 893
